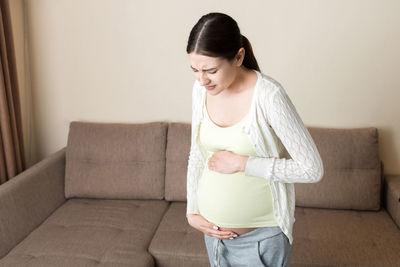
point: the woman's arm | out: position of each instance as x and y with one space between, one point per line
305 165
195 163
193 173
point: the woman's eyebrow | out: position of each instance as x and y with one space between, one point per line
204 69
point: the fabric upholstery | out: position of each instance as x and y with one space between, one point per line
121 219
392 197
116 160
327 237
352 170
29 198
322 237
178 146
176 243
92 232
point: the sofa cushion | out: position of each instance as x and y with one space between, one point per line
326 237
116 160
352 170
176 243
321 237
92 232
178 146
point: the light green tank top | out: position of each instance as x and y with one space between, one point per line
232 200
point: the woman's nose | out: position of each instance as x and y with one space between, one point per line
203 79
202 82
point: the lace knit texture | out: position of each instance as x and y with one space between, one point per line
286 151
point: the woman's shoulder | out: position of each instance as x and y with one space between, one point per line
269 86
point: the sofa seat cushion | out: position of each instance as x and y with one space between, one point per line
323 237
176 243
92 232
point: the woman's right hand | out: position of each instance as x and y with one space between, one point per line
200 223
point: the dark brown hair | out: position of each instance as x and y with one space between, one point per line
218 35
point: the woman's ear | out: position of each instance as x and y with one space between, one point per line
240 57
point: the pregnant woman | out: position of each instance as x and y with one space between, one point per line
248 148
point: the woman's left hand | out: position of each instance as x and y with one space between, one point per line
225 161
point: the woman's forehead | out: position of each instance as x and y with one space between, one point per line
204 62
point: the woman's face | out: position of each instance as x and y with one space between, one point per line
214 73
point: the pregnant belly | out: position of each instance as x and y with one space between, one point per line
235 200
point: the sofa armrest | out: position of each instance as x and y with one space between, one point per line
27 199
392 196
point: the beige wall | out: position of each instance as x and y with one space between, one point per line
125 61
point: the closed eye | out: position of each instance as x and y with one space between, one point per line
209 71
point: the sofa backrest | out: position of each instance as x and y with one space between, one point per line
178 147
352 169
116 160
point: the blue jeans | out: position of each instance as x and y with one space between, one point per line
264 246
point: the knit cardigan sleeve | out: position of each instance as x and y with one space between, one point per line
195 162
305 165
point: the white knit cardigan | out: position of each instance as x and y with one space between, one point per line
286 151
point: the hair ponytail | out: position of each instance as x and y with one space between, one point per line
218 35
249 61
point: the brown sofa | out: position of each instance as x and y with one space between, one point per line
115 196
